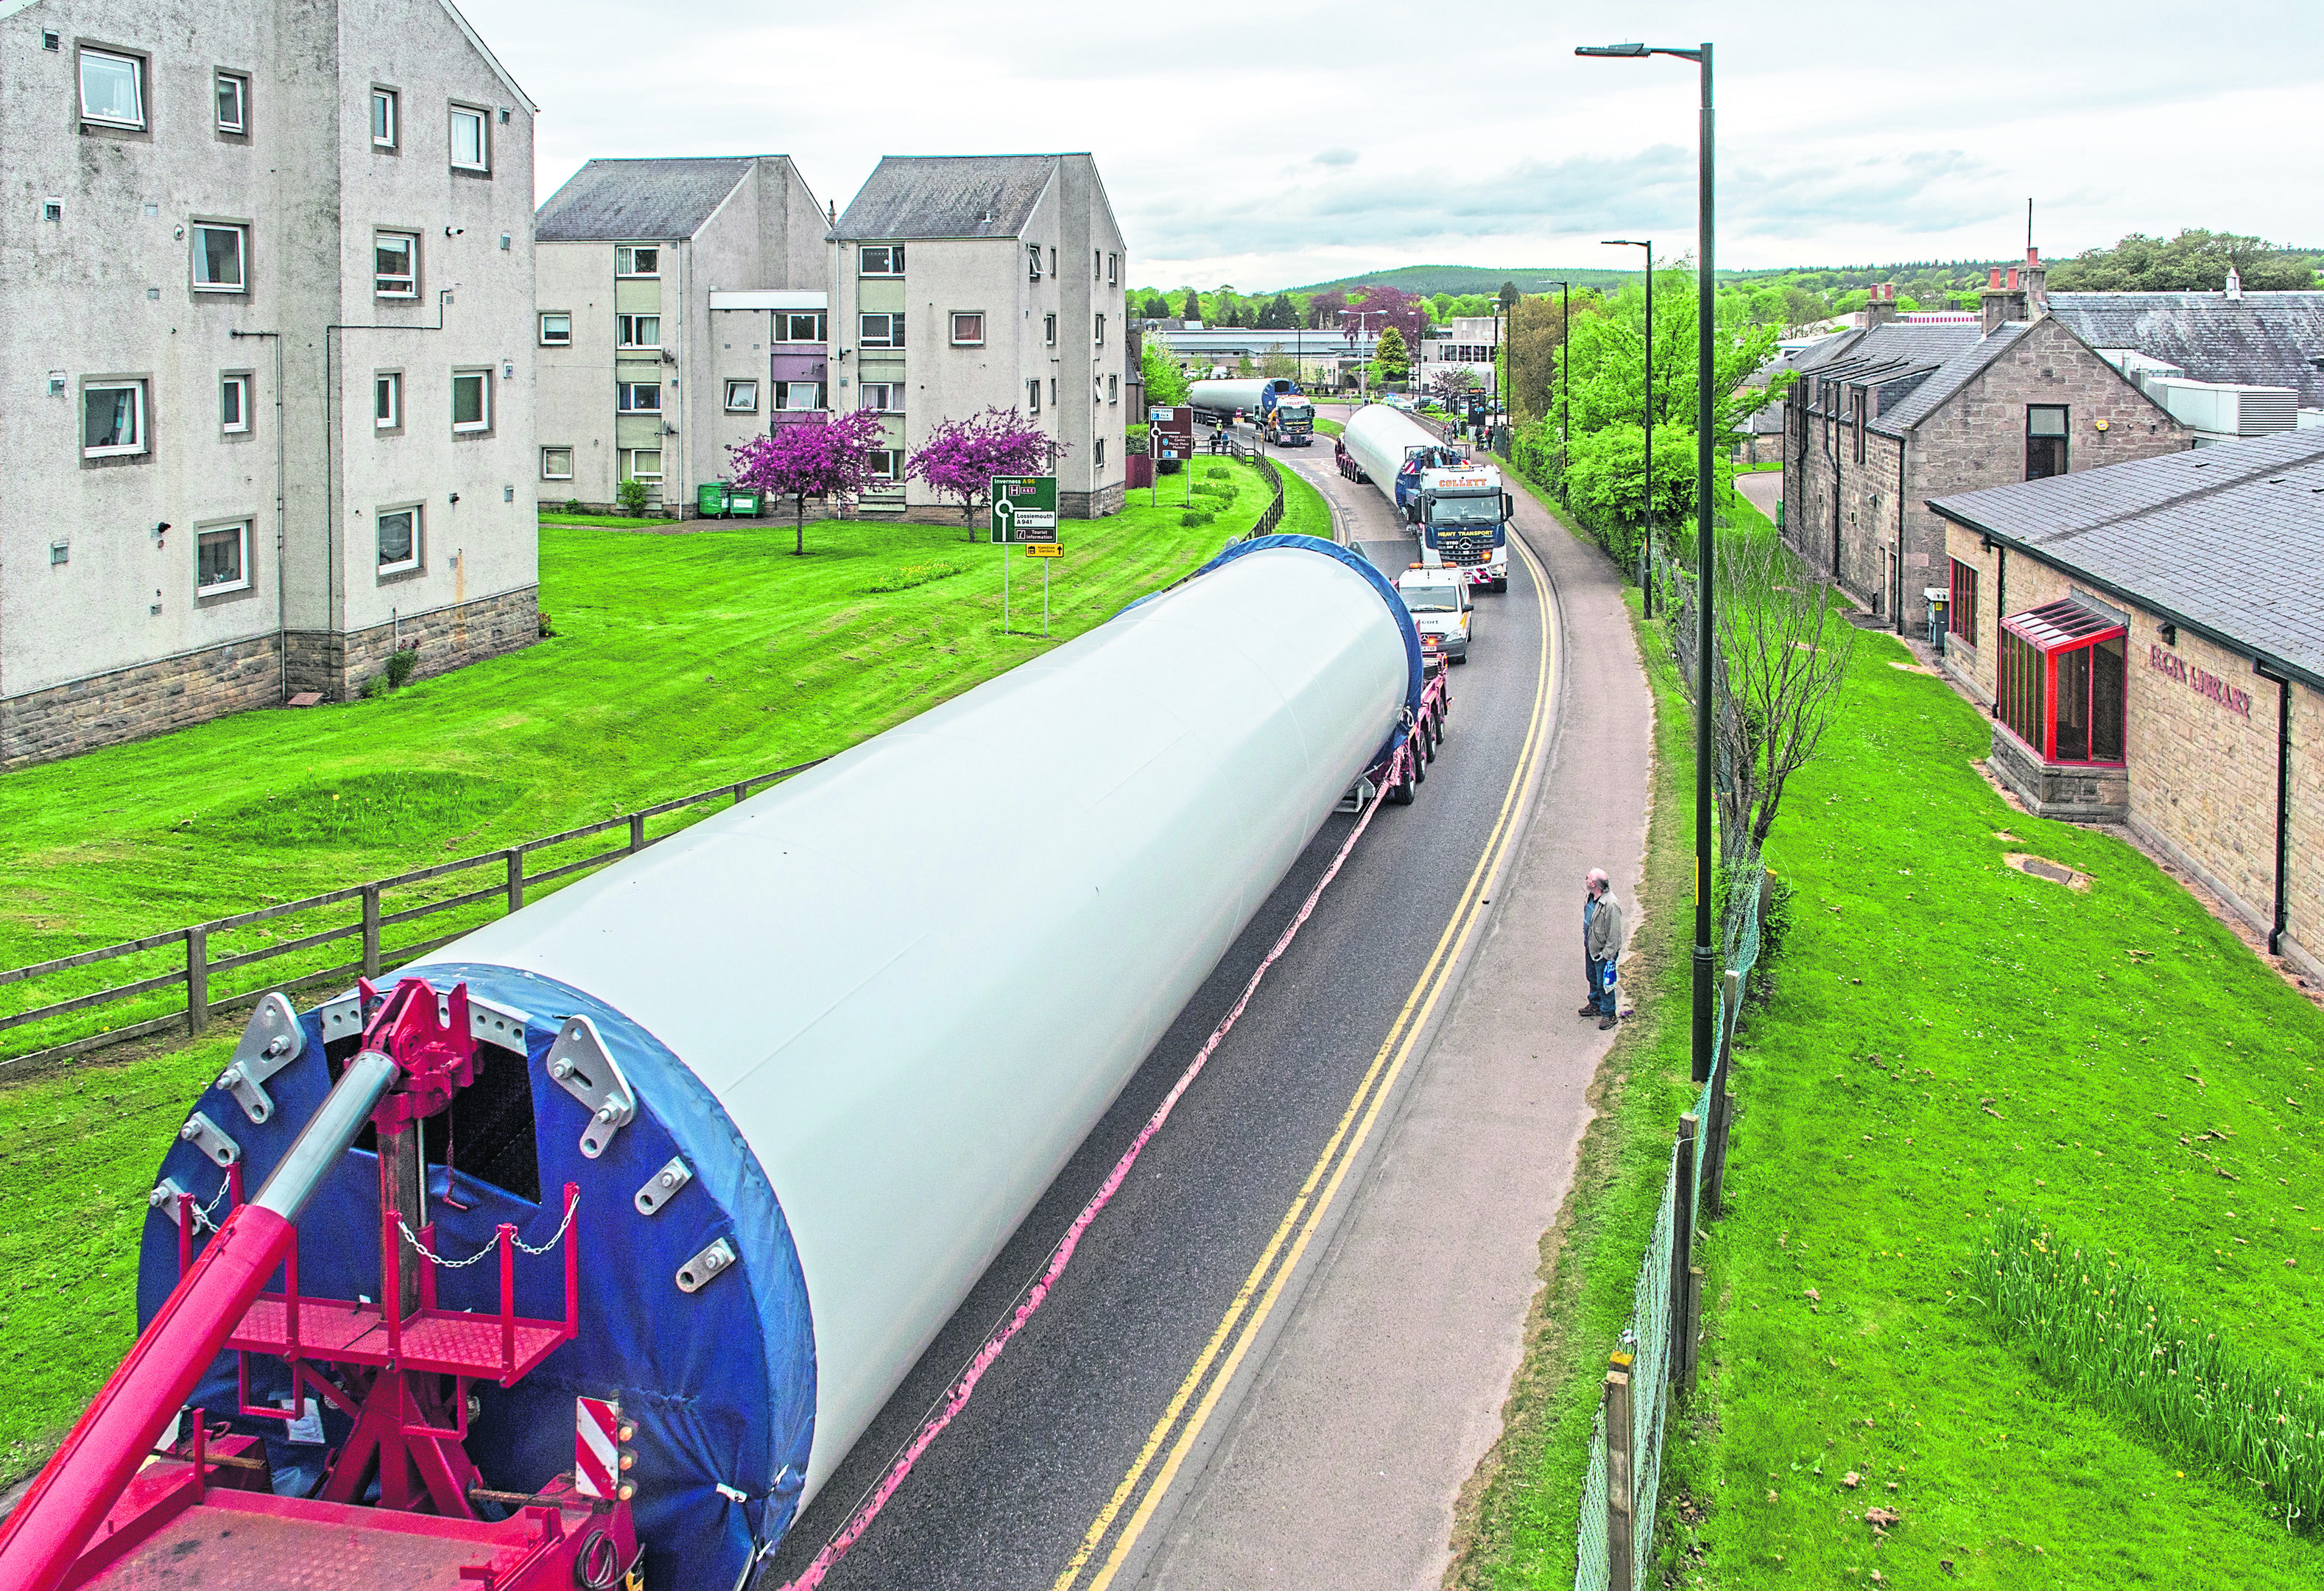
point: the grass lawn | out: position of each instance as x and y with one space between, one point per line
1942 1038
549 516
1329 428
680 662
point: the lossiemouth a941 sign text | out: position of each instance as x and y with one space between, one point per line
2201 681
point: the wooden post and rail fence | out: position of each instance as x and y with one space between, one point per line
191 1015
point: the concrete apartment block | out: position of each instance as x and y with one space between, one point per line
270 394
961 283
682 311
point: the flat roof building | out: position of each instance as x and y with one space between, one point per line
2150 638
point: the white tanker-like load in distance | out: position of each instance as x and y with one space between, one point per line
1457 506
1275 404
733 1126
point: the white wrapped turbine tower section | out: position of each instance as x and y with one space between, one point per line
871 1014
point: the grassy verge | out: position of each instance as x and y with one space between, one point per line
1948 1040
1329 428
1517 1530
607 522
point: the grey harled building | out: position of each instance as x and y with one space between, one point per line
682 310
268 308
972 282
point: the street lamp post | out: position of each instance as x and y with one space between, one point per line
1704 346
1647 545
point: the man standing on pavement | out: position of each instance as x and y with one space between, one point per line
1601 946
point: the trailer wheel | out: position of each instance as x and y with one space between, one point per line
1400 792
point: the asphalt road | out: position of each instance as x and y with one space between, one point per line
1087 1445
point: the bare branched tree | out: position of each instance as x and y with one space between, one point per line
1784 644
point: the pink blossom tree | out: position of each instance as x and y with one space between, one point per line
818 457
963 455
1374 307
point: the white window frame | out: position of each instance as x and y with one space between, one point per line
418 525
548 472
1033 396
892 337
484 120
1034 249
1049 329
749 390
1113 270
891 258
629 464
241 81
201 255
548 341
885 464
625 395
625 259
390 381
385 131
483 376
626 329
958 341
1114 389
814 317
238 382
240 530
1101 332
136 65
379 278
890 396
137 420
814 392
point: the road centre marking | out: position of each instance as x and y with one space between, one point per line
1378 1080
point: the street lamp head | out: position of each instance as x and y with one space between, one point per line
1630 49
1622 243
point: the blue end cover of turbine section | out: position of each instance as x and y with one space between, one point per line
720 1382
1414 678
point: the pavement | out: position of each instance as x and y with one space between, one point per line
1283 1348
1763 487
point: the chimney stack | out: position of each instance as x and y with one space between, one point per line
1998 304
2037 285
1881 309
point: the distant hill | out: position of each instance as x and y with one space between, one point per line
1431 280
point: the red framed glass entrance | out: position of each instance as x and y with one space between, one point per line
2060 682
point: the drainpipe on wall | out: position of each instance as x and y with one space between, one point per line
2282 805
1900 542
2000 611
281 528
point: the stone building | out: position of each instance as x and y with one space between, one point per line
957 285
2150 638
1884 419
268 308
683 308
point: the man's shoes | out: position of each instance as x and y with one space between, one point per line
1605 1021
1589 1010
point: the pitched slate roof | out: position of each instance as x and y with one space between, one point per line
947 196
2224 539
1898 339
2263 339
607 201
1769 421
1951 376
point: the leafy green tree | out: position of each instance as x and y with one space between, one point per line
1192 309
1165 382
1394 358
2196 260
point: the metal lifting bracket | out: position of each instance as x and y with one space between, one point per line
488 1023
205 1135
580 1064
273 1040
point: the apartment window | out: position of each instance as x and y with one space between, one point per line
884 259
887 463
470 153
399 539
471 400
112 419
639 397
218 258
802 394
644 464
233 103
1053 262
1114 389
1960 610
637 259
742 397
1101 331
111 89
884 397
967 329
1100 452
395 264
556 329
1097 265
557 464
222 559
387 401
233 404
2045 440
880 331
384 120
640 331
1049 329
1112 268
1052 391
1859 400
802 325
1033 263
1033 397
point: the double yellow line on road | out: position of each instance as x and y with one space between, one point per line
1178 1429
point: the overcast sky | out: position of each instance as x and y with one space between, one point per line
1378 135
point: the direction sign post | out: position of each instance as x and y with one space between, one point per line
1024 509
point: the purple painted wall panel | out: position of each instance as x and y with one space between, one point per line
805 365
